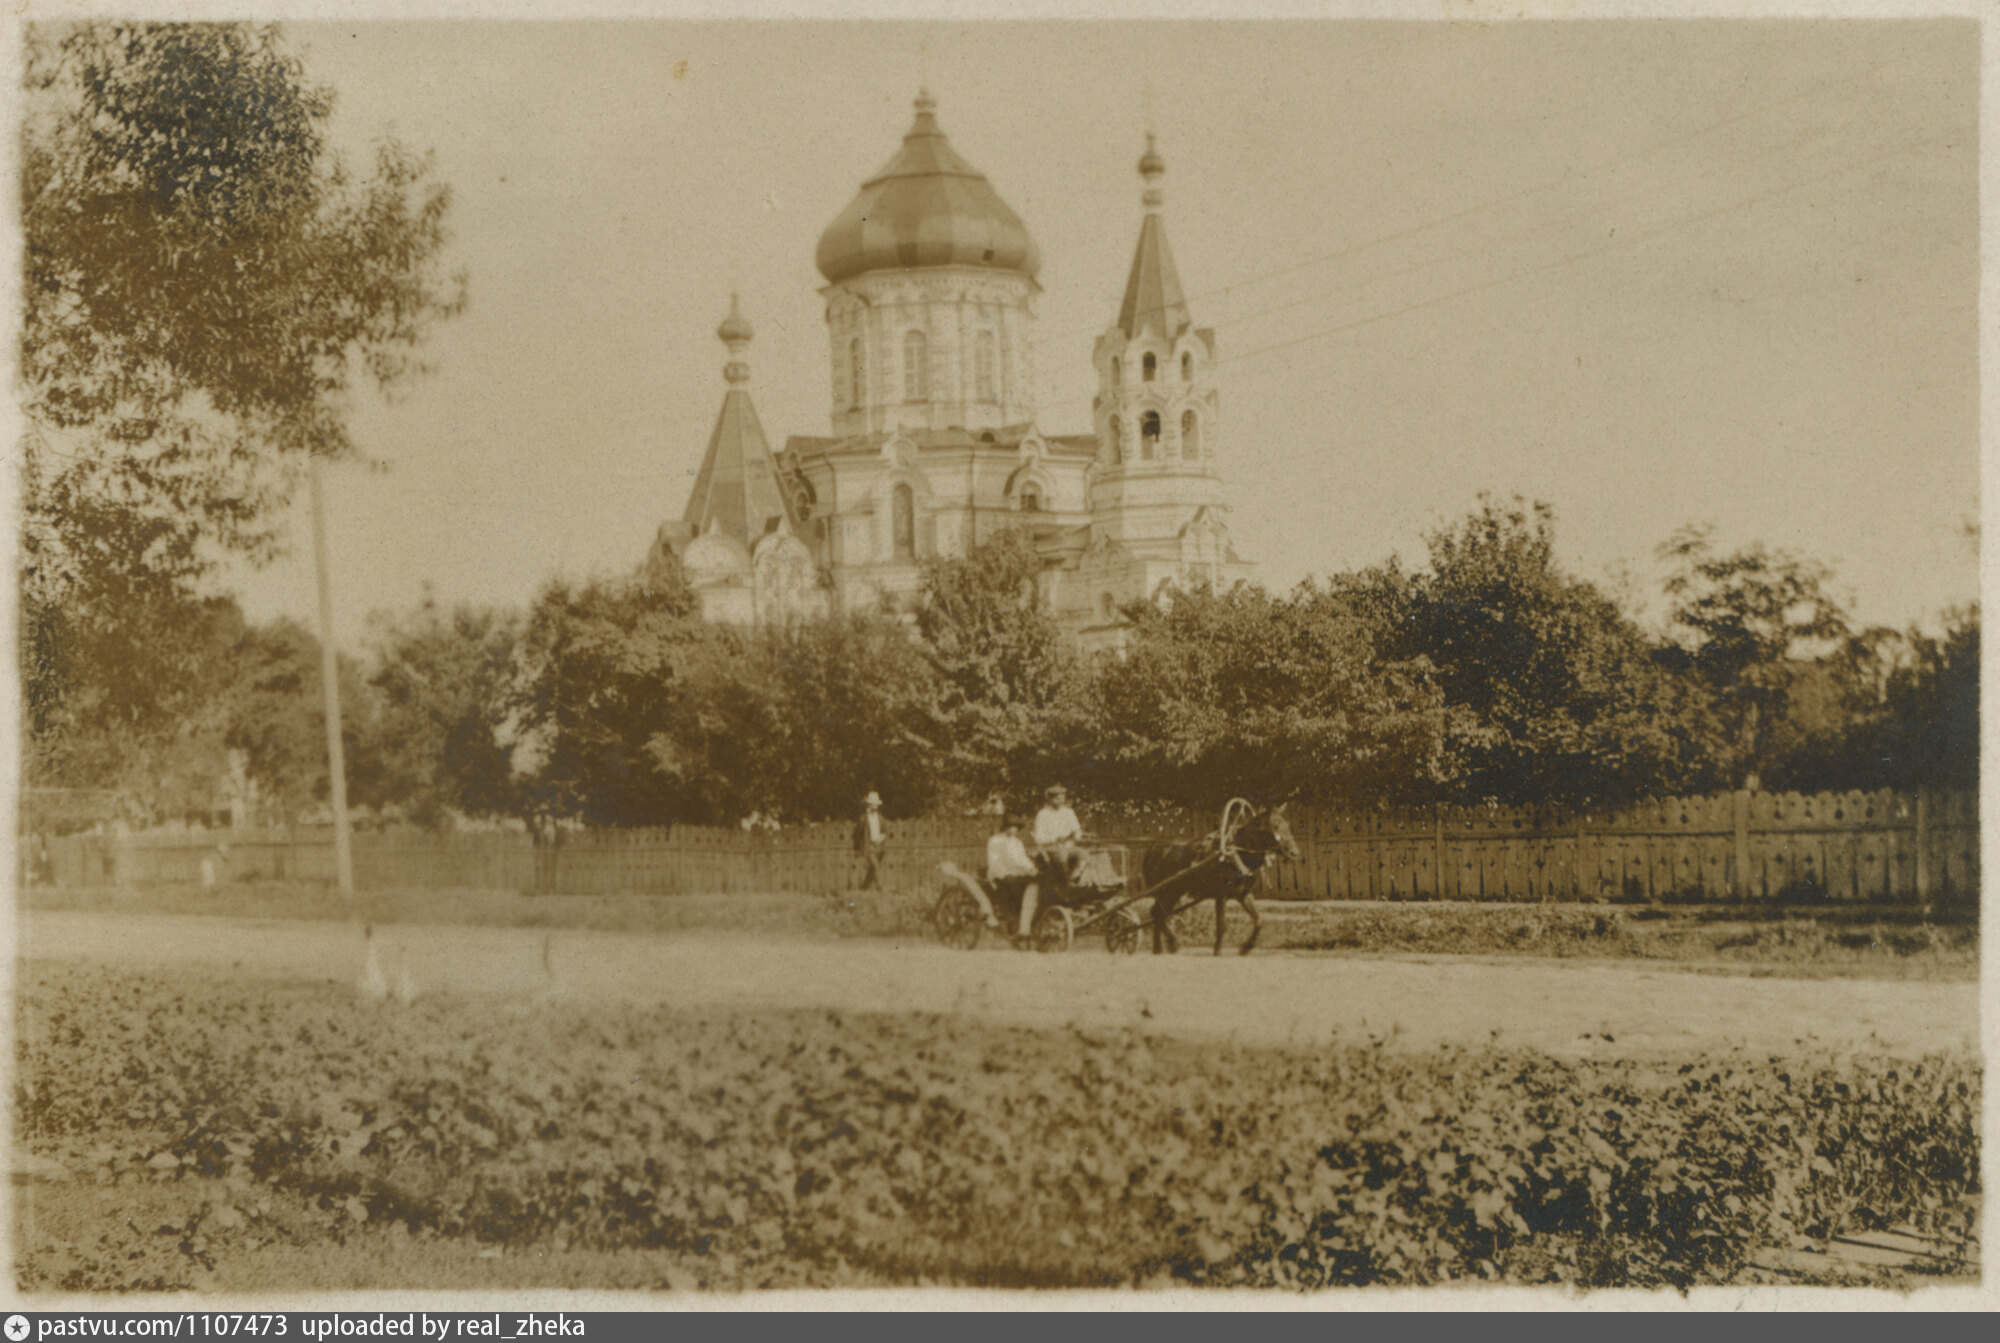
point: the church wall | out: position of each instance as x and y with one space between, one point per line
951 306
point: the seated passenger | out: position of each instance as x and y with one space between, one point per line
1010 871
1058 832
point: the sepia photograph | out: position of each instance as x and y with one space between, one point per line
1096 663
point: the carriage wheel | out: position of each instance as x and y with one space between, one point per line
957 918
1055 930
1121 933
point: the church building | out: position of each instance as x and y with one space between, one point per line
930 311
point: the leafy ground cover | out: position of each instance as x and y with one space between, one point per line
1818 940
767 1149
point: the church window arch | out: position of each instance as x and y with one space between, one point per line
1187 367
1117 441
1149 367
1149 434
1190 435
857 375
916 367
903 522
983 361
1117 371
1108 604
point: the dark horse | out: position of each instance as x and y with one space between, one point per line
1253 840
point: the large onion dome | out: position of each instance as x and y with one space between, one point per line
927 207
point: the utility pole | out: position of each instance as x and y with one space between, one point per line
329 673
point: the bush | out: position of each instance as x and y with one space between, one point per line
812 1147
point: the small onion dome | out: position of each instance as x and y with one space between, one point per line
1150 163
735 328
927 207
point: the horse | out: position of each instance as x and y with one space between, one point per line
1230 860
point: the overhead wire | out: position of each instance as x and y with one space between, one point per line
1077 389
1571 258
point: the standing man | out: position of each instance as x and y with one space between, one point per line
871 841
1058 832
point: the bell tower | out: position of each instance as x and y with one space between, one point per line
1156 495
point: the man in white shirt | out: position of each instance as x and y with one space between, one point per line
1058 832
871 841
1010 871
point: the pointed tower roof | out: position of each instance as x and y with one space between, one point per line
1153 296
927 207
737 490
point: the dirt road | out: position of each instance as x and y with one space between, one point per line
1617 1010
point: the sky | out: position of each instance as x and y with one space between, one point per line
1651 272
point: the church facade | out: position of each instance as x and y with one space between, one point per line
930 311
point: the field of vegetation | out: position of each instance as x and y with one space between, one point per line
209 1132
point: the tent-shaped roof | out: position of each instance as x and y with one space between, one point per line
737 489
1153 296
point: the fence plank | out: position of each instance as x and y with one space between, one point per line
1858 846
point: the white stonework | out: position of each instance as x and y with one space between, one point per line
930 313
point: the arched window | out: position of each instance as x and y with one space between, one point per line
1190 436
1108 604
1149 367
1117 441
903 521
1149 434
1117 371
857 377
1187 368
1031 499
982 366
916 367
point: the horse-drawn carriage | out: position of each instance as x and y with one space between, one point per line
1101 895
1096 898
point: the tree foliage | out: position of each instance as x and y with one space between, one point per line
440 685
1751 625
1557 693
1003 666
1247 694
596 676
203 283
802 720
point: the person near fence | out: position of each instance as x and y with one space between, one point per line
1058 833
1010 871
871 841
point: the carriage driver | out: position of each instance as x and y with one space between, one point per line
1010 872
1058 832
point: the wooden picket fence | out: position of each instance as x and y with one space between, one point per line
1909 848
1880 846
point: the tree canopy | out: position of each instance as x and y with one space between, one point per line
204 281
1751 625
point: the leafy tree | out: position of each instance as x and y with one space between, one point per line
804 718
1001 658
203 283
441 741
1931 731
1243 693
1559 697
1904 712
1751 624
274 713
596 677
